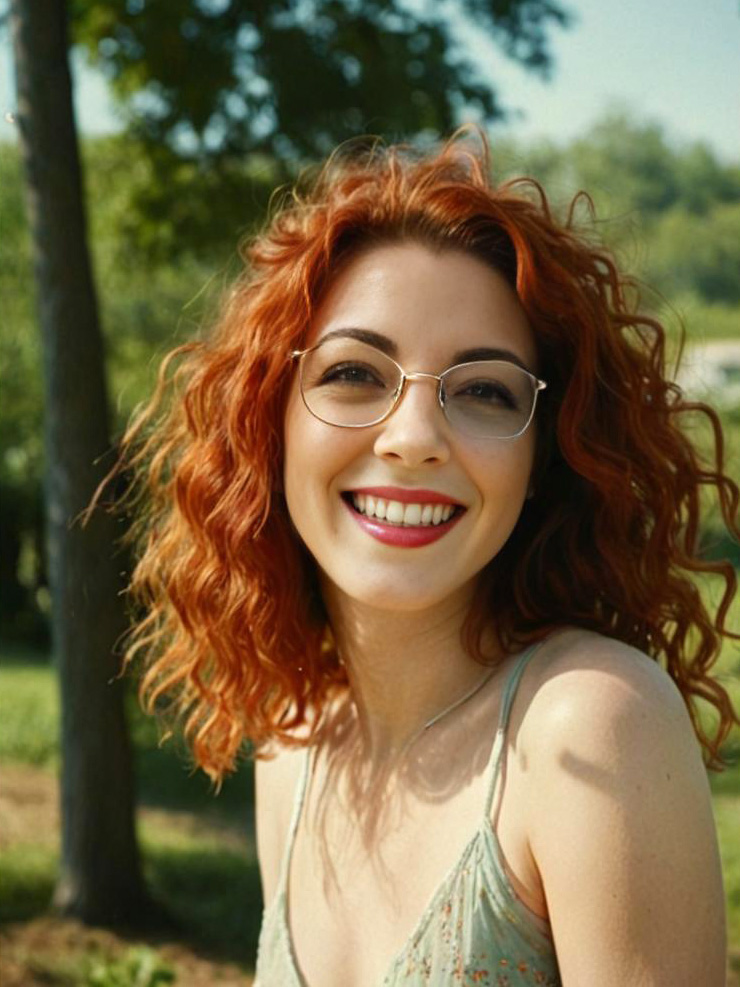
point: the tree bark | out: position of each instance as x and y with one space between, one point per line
100 879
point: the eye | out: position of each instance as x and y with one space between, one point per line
352 374
487 391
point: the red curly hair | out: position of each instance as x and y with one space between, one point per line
232 632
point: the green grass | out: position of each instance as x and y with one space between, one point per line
29 726
139 966
213 892
29 713
28 877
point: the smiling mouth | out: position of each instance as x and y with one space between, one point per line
397 514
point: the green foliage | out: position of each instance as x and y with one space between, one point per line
698 253
204 86
726 815
20 352
297 78
671 215
140 967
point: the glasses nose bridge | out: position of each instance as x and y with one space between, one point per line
413 377
418 375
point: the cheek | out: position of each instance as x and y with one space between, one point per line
502 475
502 483
300 461
314 455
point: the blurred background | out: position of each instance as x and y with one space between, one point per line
188 114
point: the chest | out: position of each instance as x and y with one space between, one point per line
361 890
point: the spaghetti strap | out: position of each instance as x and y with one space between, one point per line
507 701
299 798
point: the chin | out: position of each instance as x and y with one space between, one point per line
396 595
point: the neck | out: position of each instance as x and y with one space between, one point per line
404 668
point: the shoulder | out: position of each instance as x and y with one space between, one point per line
277 777
585 687
619 816
602 717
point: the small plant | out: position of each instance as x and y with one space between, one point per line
140 967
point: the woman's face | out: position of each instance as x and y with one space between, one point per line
429 307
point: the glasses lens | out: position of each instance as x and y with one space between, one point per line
346 382
489 399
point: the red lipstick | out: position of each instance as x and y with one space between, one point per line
407 495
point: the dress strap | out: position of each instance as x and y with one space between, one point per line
299 798
507 701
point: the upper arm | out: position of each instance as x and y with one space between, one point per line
621 828
275 784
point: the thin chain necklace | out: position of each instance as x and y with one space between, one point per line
466 697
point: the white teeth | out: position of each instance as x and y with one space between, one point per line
403 514
412 514
394 512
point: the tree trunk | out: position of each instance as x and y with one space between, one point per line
100 880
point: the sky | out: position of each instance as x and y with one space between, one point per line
674 62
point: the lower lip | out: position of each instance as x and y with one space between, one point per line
402 536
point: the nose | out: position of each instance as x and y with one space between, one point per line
416 432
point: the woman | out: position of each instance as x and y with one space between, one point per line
423 530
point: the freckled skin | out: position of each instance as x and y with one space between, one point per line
431 305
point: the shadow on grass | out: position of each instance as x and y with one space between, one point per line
166 777
213 895
29 875
166 780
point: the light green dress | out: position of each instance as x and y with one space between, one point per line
475 931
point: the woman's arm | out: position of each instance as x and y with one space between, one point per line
621 826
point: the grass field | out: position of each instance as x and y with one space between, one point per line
198 853
197 848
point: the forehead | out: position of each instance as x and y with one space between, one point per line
430 303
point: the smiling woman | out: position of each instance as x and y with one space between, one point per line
421 527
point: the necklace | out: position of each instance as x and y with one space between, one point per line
466 697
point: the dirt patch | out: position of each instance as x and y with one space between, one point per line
29 806
29 813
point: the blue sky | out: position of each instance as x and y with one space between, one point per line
676 62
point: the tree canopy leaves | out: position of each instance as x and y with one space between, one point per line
211 79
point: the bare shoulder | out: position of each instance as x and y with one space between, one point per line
590 688
619 817
608 719
277 776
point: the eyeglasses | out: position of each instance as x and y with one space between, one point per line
351 384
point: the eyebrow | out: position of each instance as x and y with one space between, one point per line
389 347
